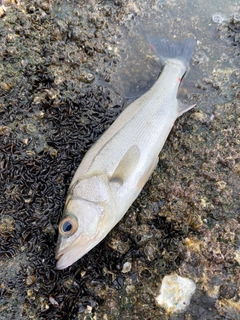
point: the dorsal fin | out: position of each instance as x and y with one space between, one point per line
126 165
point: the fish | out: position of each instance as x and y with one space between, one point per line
114 170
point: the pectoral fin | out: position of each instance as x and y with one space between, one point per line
126 166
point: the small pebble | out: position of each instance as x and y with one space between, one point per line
218 18
127 266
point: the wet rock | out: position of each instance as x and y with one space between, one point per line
227 291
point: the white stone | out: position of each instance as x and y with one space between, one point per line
175 293
127 266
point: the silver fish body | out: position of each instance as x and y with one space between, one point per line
115 169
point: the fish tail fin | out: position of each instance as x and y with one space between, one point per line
166 49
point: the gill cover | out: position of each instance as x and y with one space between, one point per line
87 207
90 210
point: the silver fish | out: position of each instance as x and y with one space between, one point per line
115 169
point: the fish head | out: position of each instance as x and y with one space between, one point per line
85 220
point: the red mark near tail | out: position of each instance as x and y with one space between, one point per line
152 47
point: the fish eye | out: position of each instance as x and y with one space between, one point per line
68 226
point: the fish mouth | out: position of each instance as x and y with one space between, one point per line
70 254
66 256
59 265
58 256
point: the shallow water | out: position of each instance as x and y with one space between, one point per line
171 20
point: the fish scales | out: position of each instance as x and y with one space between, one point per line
142 116
115 169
